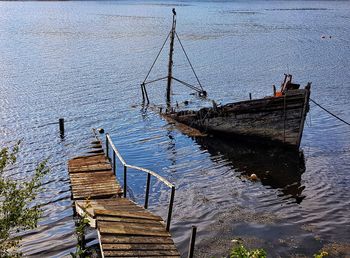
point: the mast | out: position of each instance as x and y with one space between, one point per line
172 34
170 65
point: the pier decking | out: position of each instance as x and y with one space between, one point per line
125 229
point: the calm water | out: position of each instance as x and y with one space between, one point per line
84 61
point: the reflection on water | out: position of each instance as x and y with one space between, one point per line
84 61
276 167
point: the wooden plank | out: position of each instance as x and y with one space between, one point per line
123 208
132 229
95 196
97 187
114 239
96 151
87 157
102 203
89 163
90 168
93 192
129 220
143 253
97 193
91 175
155 227
94 179
129 247
117 206
113 189
130 208
114 202
90 158
109 204
143 215
101 160
95 184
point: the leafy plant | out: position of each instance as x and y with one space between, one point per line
15 196
321 254
241 252
81 224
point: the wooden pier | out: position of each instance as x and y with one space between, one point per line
125 229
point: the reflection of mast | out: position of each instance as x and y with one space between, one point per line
172 153
170 65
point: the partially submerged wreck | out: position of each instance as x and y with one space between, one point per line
278 119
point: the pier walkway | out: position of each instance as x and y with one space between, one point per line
125 229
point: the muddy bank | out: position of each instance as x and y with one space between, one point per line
263 230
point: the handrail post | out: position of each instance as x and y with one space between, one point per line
125 170
147 190
192 242
170 210
114 164
107 151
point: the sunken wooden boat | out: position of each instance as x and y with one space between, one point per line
279 118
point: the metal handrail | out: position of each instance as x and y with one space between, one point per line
116 153
109 140
160 178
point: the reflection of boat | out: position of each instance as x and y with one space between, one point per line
279 118
275 167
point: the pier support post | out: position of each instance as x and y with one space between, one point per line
114 164
170 210
192 242
107 147
125 180
61 125
147 190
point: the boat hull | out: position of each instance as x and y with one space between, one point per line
277 119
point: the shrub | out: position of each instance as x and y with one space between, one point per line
15 195
242 252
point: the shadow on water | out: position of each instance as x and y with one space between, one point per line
275 166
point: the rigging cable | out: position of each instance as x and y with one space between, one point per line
337 117
156 57
183 49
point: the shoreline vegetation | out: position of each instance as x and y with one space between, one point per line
16 196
